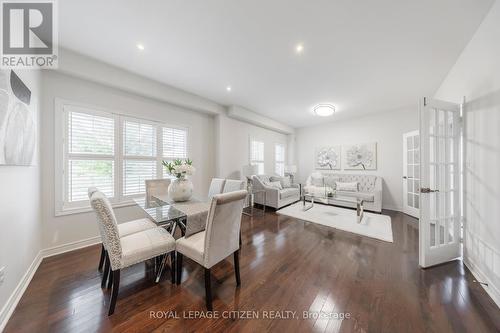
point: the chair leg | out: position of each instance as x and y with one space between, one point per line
110 280
179 268
208 290
172 267
114 294
101 260
237 267
105 272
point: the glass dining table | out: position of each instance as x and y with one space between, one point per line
190 216
169 214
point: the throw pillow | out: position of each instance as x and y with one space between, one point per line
284 181
317 180
331 181
351 187
276 185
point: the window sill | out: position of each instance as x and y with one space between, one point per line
86 209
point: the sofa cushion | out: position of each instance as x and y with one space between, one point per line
289 192
366 196
331 181
276 185
351 186
284 181
317 180
316 190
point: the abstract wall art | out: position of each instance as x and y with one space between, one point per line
17 121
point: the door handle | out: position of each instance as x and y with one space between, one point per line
404 177
427 190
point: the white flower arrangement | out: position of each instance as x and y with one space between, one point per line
180 168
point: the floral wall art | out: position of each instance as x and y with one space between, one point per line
328 158
360 156
17 121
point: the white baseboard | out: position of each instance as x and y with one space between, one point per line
18 292
52 251
490 289
395 208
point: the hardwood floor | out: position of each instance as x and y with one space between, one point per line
286 265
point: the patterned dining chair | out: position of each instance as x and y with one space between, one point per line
124 229
232 185
155 187
216 186
128 250
217 241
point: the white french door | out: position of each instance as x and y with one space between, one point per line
411 173
439 228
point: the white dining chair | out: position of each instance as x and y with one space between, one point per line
128 250
156 187
124 229
216 186
219 239
232 185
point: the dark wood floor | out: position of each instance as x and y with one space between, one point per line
286 265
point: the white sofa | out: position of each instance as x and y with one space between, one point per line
275 197
369 188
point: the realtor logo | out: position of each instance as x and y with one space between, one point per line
29 36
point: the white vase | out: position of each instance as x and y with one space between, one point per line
180 189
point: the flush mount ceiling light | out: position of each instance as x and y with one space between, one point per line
228 88
140 46
299 48
324 110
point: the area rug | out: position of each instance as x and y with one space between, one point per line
373 225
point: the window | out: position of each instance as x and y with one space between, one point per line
90 154
139 156
174 143
279 159
257 155
115 153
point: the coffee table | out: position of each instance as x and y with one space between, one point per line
330 199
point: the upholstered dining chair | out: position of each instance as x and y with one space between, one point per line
124 229
156 187
128 250
219 240
232 185
216 186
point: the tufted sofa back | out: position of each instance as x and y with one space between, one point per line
366 182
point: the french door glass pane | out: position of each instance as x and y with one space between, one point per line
135 172
87 173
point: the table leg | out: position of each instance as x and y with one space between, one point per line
359 211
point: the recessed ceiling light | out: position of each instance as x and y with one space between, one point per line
324 110
228 88
299 48
140 46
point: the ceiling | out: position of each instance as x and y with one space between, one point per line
361 56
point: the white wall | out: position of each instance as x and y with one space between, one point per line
385 128
77 227
476 75
233 146
20 218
